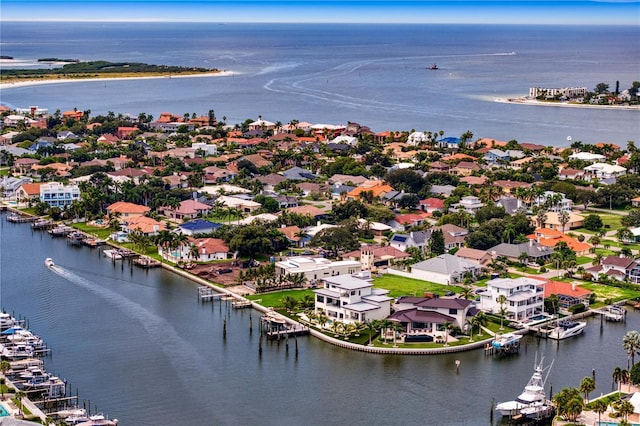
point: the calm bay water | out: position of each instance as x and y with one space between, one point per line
140 346
372 74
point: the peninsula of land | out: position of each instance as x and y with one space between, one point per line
92 70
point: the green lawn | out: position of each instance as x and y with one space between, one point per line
609 292
274 299
101 233
581 260
401 286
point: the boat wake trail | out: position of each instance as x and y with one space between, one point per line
179 352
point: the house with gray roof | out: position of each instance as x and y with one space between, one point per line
412 239
298 173
445 190
425 316
510 204
533 249
445 269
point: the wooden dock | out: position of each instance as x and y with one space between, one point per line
146 262
17 218
241 304
208 294
41 224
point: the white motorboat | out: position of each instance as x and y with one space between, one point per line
614 313
49 262
113 254
98 420
532 396
18 351
566 329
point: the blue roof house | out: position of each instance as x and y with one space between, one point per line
198 226
448 143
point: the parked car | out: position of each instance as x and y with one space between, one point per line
225 270
449 293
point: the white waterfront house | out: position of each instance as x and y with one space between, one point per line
561 204
470 203
352 298
551 92
524 297
444 269
59 195
316 268
603 171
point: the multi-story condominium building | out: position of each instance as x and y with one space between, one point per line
524 297
58 195
316 268
352 298
552 92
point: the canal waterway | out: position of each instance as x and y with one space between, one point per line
142 347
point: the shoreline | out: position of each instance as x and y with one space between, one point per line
47 81
534 102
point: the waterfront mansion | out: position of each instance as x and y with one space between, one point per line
352 298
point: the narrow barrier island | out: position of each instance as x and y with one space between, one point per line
99 69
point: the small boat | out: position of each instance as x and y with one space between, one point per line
566 329
614 313
6 321
505 344
113 254
98 420
49 262
18 351
433 67
532 397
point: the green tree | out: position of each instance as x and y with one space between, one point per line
634 374
587 385
599 406
249 240
568 403
335 239
436 243
502 299
593 222
631 344
624 409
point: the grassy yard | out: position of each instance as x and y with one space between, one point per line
581 260
274 299
101 233
401 286
609 292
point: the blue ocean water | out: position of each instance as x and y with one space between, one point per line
372 74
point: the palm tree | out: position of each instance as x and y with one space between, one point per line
509 233
587 385
502 299
481 319
446 326
19 395
624 408
541 217
563 218
384 325
372 327
473 322
617 377
599 406
631 344
194 253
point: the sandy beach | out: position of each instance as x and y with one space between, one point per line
13 85
525 101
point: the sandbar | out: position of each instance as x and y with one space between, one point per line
534 102
26 83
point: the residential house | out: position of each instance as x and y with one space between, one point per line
431 205
510 186
28 192
601 171
245 206
213 175
316 268
373 257
466 168
474 180
553 221
551 237
444 269
405 221
59 169
482 257
127 210
454 236
23 165
308 210
427 316
257 160
497 157
587 157
262 125
418 138
144 225
450 143
56 194
618 267
568 173
439 167
524 297
470 204
298 173
511 205
296 237
378 229
270 181
348 299
553 201
284 201
444 190
418 239
339 180
372 189
188 209
198 226
521 163
533 250
569 294
208 249
9 185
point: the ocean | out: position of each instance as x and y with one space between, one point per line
375 75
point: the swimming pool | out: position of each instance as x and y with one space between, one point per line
614 424
3 411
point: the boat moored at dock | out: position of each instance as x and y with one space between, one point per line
566 329
505 344
532 399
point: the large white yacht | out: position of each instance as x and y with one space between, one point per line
533 394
